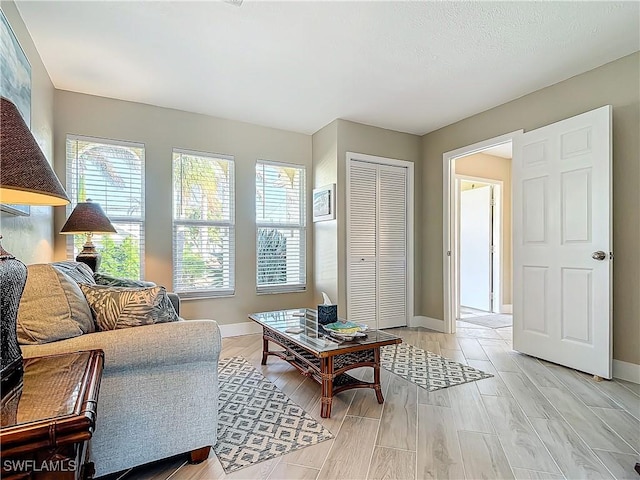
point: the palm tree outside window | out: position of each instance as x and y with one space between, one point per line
203 224
280 227
111 173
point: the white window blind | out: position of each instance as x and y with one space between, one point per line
203 224
110 173
281 232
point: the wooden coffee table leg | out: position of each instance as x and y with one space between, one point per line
265 349
376 375
326 372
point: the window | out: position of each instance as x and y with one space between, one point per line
203 224
110 173
281 233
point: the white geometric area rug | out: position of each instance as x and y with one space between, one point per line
426 369
256 421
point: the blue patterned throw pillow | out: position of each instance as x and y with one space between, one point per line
111 281
124 307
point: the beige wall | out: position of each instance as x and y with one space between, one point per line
617 84
333 142
495 168
325 233
359 138
31 238
161 130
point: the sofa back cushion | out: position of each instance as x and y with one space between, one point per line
123 307
52 307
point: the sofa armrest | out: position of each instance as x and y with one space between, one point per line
175 301
142 347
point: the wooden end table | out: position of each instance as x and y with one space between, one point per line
319 357
49 417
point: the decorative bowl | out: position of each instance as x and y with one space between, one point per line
347 337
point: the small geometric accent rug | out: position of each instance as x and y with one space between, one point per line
426 369
256 421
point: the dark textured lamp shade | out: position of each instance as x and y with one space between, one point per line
88 218
26 178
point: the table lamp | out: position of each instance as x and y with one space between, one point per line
26 178
88 218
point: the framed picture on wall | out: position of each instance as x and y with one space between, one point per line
15 84
324 203
15 71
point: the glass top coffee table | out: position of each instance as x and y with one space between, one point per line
319 356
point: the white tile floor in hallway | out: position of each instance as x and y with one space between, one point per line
466 312
485 319
532 420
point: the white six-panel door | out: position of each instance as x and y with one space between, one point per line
562 241
377 279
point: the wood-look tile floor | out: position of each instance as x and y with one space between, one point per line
532 420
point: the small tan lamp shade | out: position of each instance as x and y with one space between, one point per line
88 218
26 178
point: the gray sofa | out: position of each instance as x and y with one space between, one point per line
159 390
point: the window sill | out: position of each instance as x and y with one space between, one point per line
292 289
187 296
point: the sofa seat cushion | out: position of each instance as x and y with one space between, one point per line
52 307
123 307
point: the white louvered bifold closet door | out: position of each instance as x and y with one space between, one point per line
362 219
377 245
392 246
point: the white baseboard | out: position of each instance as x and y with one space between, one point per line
626 371
428 322
506 309
238 329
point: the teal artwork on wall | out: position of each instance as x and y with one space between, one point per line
15 84
15 71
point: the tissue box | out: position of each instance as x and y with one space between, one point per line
327 314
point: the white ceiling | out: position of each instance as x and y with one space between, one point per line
504 150
407 66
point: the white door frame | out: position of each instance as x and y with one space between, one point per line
450 260
410 213
497 233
